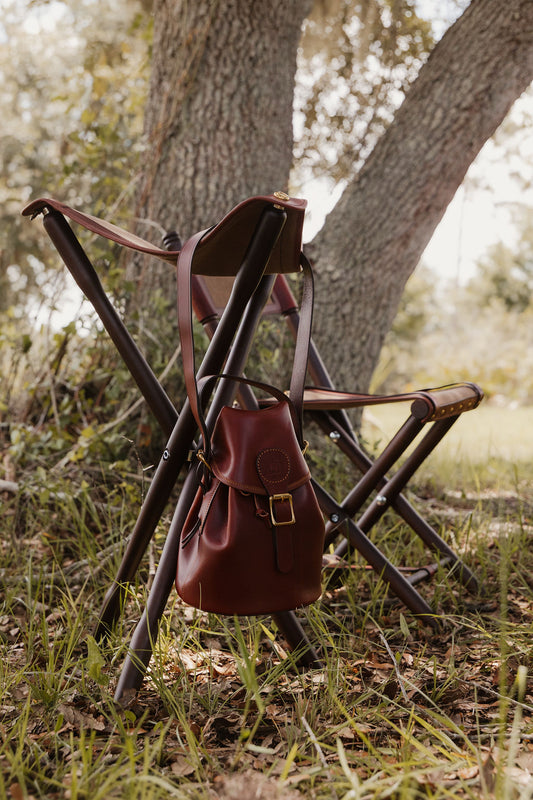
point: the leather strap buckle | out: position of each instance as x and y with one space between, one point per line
281 498
201 457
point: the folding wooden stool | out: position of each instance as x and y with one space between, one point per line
256 241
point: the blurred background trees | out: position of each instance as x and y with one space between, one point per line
72 94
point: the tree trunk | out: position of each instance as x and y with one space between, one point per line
219 116
374 237
219 126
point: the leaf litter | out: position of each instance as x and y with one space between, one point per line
392 690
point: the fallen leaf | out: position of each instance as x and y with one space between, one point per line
78 719
525 760
182 767
467 773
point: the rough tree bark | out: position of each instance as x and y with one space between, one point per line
219 114
219 121
374 237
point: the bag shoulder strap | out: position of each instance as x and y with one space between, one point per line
185 324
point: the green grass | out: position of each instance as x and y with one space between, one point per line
397 712
488 434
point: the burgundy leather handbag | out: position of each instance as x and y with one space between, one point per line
253 540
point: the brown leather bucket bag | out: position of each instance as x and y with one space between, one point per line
253 540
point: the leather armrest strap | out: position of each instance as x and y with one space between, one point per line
101 227
427 404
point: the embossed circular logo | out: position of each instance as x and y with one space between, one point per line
273 465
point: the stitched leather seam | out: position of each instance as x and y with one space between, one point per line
263 477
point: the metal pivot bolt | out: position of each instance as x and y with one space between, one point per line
334 518
381 500
166 455
334 435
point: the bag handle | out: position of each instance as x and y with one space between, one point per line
301 350
204 386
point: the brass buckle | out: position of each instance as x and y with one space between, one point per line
201 457
282 498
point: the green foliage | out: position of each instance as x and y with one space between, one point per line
481 332
72 121
417 316
505 274
357 60
489 346
69 406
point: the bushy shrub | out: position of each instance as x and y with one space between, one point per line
461 338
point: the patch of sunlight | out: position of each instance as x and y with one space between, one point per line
488 432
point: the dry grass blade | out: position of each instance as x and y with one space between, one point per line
396 713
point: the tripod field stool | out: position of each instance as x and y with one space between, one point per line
255 242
